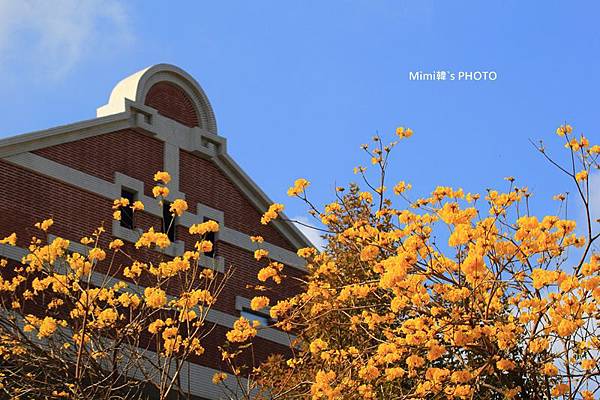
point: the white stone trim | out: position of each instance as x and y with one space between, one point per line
171 164
135 88
64 134
112 191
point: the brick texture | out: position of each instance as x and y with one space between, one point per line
127 151
172 102
31 197
203 182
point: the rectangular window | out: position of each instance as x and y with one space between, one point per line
169 221
211 237
127 212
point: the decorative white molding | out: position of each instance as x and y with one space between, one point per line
135 88
171 164
64 134
112 191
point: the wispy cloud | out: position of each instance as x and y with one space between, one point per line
313 235
49 38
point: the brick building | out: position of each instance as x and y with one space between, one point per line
156 119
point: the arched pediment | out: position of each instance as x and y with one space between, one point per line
169 90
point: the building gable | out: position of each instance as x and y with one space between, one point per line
186 129
157 119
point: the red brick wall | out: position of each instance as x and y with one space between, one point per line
203 182
127 151
140 156
172 102
29 197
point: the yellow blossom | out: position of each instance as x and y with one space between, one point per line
242 331
205 227
116 244
318 345
272 213
260 253
257 239
155 298
402 132
581 175
156 326
45 224
10 240
259 302
564 129
300 186
160 191
401 187
47 327
162 176
96 254
219 377
505 365
369 252
137 206
178 207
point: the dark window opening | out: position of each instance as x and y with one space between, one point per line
127 212
211 237
168 221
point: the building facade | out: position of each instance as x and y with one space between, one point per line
156 119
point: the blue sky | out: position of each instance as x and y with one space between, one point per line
298 86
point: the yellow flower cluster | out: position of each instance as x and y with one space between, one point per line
10 240
564 130
272 213
259 302
219 377
260 254
440 299
178 207
155 297
45 255
402 132
45 327
162 176
149 238
204 228
299 187
242 331
271 271
45 224
83 293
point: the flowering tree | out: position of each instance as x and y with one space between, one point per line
455 295
103 323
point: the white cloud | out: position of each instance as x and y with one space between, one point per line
313 235
51 37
